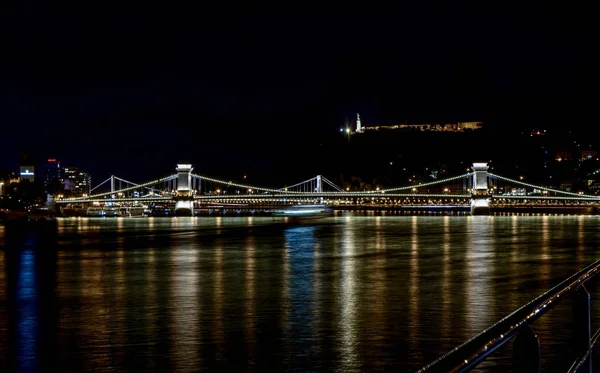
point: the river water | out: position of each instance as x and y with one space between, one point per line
349 293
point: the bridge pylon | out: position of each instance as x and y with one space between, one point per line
320 187
480 197
184 205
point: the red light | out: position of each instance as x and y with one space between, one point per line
52 160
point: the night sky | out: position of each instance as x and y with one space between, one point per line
133 95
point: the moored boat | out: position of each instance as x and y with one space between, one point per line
132 211
96 211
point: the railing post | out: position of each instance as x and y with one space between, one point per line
582 326
526 351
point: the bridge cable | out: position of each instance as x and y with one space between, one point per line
132 183
427 184
331 184
541 187
229 183
153 182
302 183
99 185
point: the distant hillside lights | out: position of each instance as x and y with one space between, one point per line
451 127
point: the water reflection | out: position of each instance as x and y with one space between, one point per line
546 256
581 246
479 268
149 301
218 293
317 312
299 243
26 318
285 296
250 297
120 293
348 303
3 314
413 289
350 293
185 312
374 295
26 302
446 308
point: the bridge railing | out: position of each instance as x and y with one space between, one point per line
517 326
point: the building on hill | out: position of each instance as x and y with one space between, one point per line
448 127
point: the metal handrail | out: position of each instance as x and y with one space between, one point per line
467 355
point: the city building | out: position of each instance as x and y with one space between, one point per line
588 154
27 167
77 183
51 170
563 155
7 178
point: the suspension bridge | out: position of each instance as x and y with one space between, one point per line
479 192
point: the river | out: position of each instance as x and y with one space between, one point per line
356 292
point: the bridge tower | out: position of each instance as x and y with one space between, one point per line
185 200
319 179
480 197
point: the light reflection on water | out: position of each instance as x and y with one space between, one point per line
185 334
348 301
3 308
479 259
349 293
27 318
413 292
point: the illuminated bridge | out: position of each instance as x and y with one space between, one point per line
477 192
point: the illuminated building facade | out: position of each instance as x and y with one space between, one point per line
27 168
77 182
27 173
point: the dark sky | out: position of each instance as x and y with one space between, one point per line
133 95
